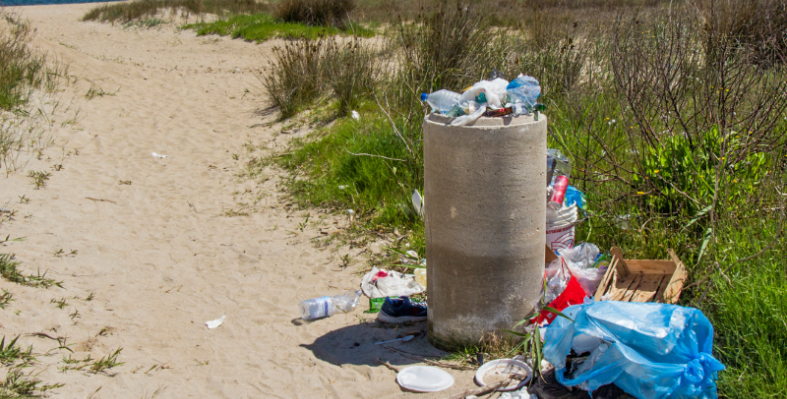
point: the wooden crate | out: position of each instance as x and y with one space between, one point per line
642 280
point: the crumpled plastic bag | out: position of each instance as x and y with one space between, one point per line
650 350
493 92
382 283
580 260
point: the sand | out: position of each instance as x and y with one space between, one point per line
159 254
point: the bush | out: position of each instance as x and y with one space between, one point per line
758 24
304 70
315 12
140 9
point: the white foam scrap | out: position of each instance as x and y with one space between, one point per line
355 115
159 156
215 323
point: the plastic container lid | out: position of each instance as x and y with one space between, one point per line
424 379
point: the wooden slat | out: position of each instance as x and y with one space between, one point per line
651 266
604 285
623 269
621 286
633 288
672 293
648 287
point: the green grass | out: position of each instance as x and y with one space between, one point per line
262 27
376 189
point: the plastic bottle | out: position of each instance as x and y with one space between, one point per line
442 100
525 90
325 306
562 164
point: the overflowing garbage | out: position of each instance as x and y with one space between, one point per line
491 98
621 335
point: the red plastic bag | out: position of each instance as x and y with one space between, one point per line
574 294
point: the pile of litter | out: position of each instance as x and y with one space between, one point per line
491 98
622 336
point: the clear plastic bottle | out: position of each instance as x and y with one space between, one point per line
442 100
525 90
325 306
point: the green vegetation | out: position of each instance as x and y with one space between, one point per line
16 383
141 10
245 19
261 27
9 271
676 132
22 72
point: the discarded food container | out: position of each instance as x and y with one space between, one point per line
484 226
492 373
424 379
642 280
317 308
560 227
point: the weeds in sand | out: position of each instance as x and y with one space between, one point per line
90 297
125 182
107 362
23 199
9 271
11 353
39 178
5 299
94 91
57 167
22 72
74 315
59 303
235 213
88 364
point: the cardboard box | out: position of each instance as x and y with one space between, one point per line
642 280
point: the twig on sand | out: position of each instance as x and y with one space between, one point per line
429 362
388 365
100 200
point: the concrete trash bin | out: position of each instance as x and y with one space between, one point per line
485 215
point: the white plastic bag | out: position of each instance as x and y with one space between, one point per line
580 260
382 283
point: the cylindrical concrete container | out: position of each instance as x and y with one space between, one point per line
485 216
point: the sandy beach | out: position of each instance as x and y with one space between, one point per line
151 240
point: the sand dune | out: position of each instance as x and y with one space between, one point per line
159 255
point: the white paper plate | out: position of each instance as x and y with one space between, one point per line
509 366
424 379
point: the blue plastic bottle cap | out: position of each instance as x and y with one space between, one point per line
424 96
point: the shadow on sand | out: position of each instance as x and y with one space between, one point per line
356 345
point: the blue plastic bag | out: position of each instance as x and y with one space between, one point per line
649 350
574 196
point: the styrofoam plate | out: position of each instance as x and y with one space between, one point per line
507 366
424 379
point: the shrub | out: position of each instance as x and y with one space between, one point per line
315 12
758 24
294 78
141 9
352 72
